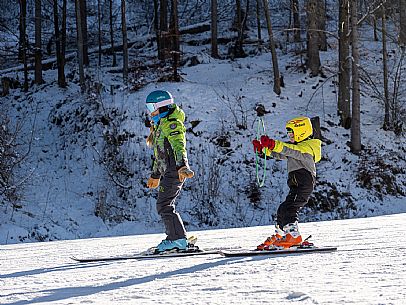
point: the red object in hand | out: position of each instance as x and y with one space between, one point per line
267 142
257 146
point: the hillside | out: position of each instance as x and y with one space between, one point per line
85 163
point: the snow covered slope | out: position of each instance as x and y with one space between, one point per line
368 268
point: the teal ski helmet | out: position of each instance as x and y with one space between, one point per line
157 99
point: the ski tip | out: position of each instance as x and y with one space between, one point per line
76 259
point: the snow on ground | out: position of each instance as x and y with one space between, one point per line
368 268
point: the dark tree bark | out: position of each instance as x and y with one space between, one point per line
402 11
23 40
313 57
387 120
125 45
322 25
258 16
344 105
163 29
99 30
276 75
21 28
238 48
214 46
296 20
175 40
59 57
375 27
38 44
83 21
156 27
356 112
111 21
63 35
80 46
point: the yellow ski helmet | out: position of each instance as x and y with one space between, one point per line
301 127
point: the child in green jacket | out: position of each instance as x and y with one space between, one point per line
171 167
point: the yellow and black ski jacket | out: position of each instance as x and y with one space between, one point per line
304 154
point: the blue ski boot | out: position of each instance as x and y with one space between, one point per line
172 245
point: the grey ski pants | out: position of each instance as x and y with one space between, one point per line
301 184
169 190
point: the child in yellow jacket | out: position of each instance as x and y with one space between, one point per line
301 154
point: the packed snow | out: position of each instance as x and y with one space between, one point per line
368 268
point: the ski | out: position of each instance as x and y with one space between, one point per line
142 256
151 253
276 252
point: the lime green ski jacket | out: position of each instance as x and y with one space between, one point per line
169 143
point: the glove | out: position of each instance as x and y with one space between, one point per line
267 142
185 172
153 183
257 146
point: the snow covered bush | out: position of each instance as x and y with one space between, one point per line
8 163
381 173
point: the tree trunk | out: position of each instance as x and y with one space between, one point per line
402 11
175 40
23 38
238 48
38 44
375 27
387 121
343 105
156 27
163 29
59 61
125 46
80 46
214 46
21 30
276 76
296 21
313 57
258 15
63 37
99 30
112 33
356 113
322 25
83 21
244 21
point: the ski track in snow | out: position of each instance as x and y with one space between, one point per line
360 272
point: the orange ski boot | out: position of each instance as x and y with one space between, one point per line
292 237
267 244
